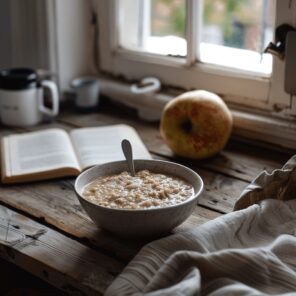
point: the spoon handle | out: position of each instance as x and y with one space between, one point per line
128 154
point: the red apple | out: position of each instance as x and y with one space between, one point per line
196 124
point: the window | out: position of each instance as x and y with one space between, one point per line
235 34
232 33
132 33
153 26
182 43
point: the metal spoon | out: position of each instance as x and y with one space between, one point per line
128 154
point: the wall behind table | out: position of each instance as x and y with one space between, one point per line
55 35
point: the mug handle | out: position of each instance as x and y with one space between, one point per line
51 86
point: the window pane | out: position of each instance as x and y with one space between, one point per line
235 33
155 26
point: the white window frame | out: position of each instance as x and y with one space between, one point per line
233 85
261 109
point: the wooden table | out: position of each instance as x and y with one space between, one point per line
46 232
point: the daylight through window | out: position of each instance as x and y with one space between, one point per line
231 33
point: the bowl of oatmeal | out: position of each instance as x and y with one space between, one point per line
157 199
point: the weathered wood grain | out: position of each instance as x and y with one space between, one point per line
221 192
71 252
56 203
237 160
53 257
61 261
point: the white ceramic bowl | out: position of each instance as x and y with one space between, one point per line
140 222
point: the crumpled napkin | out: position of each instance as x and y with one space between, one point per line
280 184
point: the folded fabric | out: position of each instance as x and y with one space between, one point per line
246 252
280 184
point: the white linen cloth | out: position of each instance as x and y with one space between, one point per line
247 252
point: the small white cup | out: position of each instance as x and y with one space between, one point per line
22 97
87 91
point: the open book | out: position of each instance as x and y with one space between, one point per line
55 153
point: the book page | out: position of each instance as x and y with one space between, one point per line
38 152
96 145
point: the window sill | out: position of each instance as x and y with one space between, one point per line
259 128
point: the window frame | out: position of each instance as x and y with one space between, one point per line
267 121
235 86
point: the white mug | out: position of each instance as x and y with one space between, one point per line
87 91
22 97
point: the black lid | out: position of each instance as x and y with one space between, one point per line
18 78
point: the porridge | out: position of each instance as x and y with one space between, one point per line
145 190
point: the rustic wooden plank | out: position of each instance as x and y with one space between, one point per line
56 203
53 257
221 192
246 161
238 160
